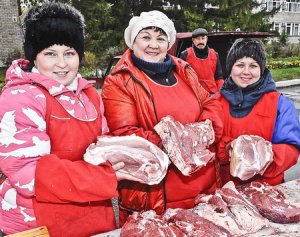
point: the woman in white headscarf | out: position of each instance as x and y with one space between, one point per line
146 85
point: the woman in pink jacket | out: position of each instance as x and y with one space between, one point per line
49 115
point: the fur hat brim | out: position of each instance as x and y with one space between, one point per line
53 23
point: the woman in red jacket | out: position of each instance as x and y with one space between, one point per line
146 85
253 106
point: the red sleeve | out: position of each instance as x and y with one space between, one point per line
285 156
62 181
222 152
219 83
121 111
212 109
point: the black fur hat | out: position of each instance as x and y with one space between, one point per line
247 47
52 23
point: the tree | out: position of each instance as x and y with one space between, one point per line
100 23
231 15
106 20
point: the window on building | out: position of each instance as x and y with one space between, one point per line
271 4
289 29
296 29
276 27
292 6
298 6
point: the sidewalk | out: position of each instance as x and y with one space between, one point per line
293 82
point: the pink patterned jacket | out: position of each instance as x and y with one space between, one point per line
23 137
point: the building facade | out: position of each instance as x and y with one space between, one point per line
10 30
287 20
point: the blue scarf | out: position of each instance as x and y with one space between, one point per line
242 100
159 72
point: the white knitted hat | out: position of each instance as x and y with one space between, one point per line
148 19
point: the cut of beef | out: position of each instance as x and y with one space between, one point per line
228 208
142 158
173 223
148 224
194 225
187 146
245 213
271 203
216 210
249 155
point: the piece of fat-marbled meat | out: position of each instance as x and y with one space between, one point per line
215 209
245 213
187 145
249 155
271 203
149 224
142 158
194 225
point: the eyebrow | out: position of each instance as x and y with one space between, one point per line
50 49
146 32
53 50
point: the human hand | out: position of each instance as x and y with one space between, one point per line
121 175
228 149
223 150
118 166
126 176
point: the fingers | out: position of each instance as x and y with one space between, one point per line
118 166
125 176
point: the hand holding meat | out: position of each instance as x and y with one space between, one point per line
143 161
123 176
187 146
249 155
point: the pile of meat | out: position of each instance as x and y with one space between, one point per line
142 159
187 146
249 155
173 223
271 203
230 211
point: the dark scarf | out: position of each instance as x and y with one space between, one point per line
201 53
161 73
242 100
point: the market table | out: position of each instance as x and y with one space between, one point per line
291 191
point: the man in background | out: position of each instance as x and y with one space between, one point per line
205 61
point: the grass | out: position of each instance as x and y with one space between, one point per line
2 73
284 74
2 76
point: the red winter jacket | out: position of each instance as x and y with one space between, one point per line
130 110
260 121
72 196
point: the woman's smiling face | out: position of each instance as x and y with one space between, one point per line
151 45
58 62
245 71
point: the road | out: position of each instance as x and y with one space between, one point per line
292 90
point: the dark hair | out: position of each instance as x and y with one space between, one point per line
246 47
155 28
52 23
